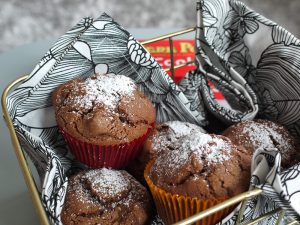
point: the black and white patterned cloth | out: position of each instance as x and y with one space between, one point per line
256 65
251 59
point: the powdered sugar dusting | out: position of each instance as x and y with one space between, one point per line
174 131
208 149
218 152
212 149
105 89
82 194
263 135
182 128
105 189
107 182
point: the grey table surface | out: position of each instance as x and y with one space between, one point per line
15 203
16 206
25 21
34 23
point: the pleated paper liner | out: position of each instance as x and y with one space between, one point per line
174 208
97 156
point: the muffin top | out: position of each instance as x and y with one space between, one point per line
260 133
105 196
165 137
103 109
203 166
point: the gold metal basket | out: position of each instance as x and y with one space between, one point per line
27 173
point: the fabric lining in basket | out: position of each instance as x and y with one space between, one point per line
262 76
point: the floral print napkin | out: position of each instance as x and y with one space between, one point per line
250 59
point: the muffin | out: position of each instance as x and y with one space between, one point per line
165 137
260 133
106 196
202 171
103 118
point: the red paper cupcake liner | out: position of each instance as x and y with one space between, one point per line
97 156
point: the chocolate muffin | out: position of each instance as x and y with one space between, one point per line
103 109
203 166
105 197
260 133
165 137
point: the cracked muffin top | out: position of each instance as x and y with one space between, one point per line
106 196
103 109
166 136
260 133
203 166
163 138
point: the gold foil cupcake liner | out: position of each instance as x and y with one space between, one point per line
174 208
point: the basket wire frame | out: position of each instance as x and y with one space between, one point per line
242 198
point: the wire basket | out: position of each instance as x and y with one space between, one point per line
31 184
